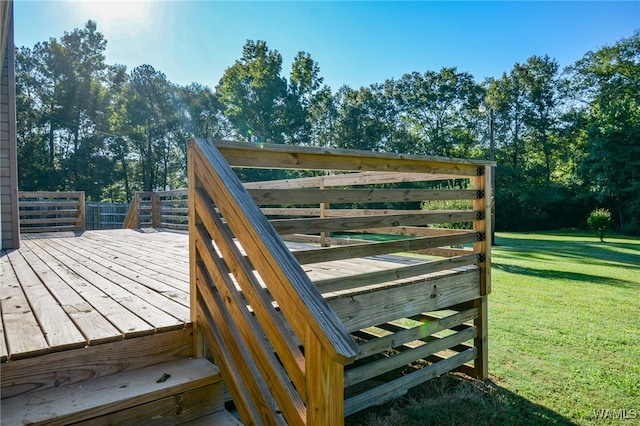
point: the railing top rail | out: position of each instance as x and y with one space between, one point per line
50 194
245 154
173 193
326 324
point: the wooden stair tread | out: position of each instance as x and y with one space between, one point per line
219 418
104 395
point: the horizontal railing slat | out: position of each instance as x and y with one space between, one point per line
261 303
371 278
239 154
315 196
328 224
270 256
326 254
51 211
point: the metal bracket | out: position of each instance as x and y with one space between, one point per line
480 194
482 236
480 171
481 258
480 215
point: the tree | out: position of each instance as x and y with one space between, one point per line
539 77
152 118
440 109
61 92
361 119
201 113
607 88
254 94
323 118
303 88
526 108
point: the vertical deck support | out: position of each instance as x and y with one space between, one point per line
325 384
155 210
194 257
323 207
482 184
82 219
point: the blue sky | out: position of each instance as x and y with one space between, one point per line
356 43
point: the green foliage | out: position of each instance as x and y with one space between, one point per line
449 205
564 140
561 305
608 81
600 220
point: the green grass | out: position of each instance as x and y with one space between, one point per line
564 339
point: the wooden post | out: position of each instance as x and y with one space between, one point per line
136 212
482 206
155 210
323 207
194 257
325 384
82 220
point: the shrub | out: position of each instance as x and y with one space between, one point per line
599 220
449 205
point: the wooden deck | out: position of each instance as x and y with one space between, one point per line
64 291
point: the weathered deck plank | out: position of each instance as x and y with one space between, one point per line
94 326
147 304
58 328
125 322
22 332
99 287
122 283
110 297
131 271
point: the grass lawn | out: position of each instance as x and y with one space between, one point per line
564 340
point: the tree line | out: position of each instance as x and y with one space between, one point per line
566 140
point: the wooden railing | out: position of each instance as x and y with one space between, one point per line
101 215
161 209
283 341
51 211
271 379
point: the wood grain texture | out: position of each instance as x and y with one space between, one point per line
348 179
406 335
364 221
108 285
83 401
242 154
268 253
315 196
73 366
399 386
377 248
253 294
373 305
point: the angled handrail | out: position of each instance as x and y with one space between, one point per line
132 219
231 306
282 348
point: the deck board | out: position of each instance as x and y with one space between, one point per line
110 310
22 332
140 300
94 326
62 291
58 328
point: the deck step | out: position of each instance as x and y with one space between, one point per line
220 418
170 393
